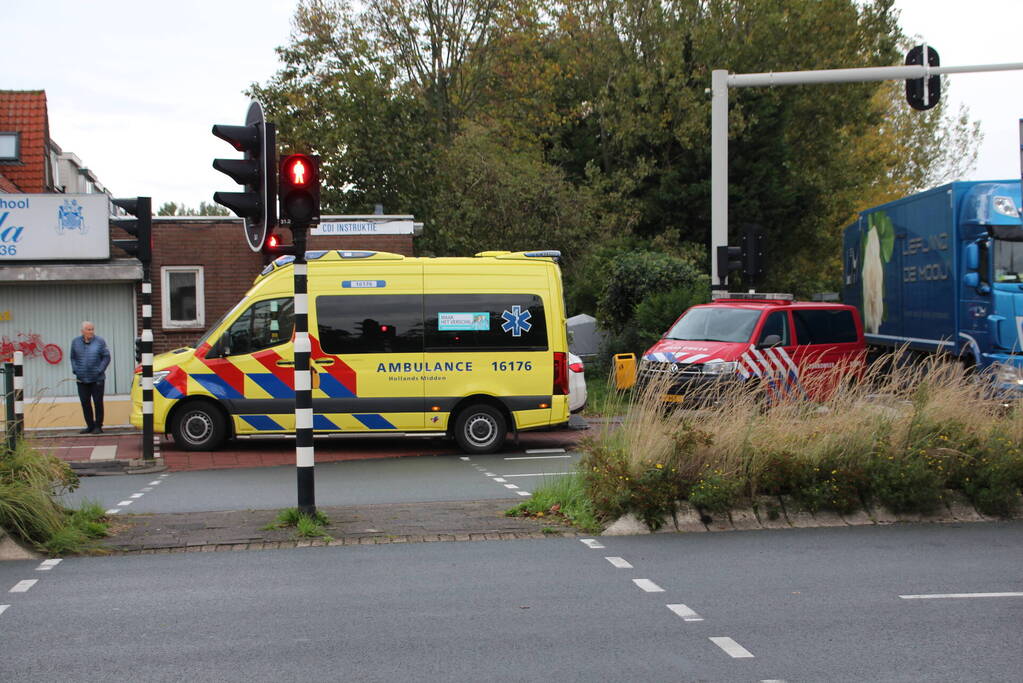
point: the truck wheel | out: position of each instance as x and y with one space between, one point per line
480 429
199 427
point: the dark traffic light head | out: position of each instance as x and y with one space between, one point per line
140 227
257 171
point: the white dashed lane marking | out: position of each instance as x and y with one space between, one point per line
154 483
524 493
47 565
3 608
537 457
686 613
112 511
136 495
591 543
619 562
535 451
124 503
510 486
23 586
731 648
499 480
537 474
934 596
648 585
464 459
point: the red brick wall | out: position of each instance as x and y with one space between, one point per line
229 266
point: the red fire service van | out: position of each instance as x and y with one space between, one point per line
794 346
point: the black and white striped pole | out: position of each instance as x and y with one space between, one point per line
305 459
19 394
147 364
141 228
299 191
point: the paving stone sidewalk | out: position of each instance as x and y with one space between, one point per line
349 525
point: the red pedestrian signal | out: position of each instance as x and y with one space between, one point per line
300 189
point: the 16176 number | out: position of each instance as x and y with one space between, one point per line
512 365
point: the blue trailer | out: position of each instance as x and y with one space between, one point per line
942 272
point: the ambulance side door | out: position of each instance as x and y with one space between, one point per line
367 349
252 368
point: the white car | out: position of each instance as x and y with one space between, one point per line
576 383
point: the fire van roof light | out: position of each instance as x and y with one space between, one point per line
752 296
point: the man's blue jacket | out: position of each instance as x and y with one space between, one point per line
89 361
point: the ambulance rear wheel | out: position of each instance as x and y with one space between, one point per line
199 427
480 429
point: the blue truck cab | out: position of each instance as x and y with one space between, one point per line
942 272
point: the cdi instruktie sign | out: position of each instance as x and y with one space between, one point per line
366 226
41 227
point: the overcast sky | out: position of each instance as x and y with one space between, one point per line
134 87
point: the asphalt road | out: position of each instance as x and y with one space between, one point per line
357 482
804 604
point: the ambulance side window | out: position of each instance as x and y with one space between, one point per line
776 324
485 322
265 324
370 323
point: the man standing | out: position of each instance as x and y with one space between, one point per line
89 361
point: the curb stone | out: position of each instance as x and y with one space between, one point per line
799 518
770 512
857 518
828 518
718 522
687 519
744 519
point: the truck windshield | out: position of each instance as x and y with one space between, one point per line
715 324
1008 261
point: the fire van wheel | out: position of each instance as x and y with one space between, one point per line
199 427
480 429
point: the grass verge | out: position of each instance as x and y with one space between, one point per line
30 484
899 435
561 498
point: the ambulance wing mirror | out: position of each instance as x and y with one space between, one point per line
769 341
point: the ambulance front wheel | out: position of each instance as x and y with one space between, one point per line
480 429
199 426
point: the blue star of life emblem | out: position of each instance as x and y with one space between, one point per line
516 321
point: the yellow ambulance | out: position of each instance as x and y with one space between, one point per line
468 347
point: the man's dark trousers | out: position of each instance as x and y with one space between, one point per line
90 393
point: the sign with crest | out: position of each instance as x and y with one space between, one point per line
45 227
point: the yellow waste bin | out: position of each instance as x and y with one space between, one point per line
625 370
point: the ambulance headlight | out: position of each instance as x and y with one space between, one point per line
720 368
160 376
1005 206
1010 374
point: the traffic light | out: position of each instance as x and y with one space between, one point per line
257 171
915 86
274 247
300 189
140 227
752 254
729 259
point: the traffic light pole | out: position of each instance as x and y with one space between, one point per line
304 451
721 81
147 363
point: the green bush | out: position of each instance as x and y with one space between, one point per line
633 276
905 484
715 492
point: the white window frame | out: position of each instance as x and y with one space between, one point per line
200 298
16 137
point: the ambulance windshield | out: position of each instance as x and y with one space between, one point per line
715 323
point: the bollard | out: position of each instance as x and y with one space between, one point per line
19 394
11 438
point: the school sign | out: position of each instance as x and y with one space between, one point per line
47 227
